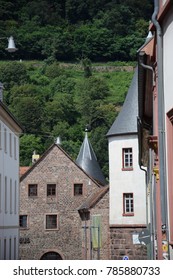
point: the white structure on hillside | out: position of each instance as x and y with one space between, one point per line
127 181
9 184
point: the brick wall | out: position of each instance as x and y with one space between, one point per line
55 167
102 209
121 244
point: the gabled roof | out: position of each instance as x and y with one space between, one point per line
126 122
93 199
43 157
88 162
6 112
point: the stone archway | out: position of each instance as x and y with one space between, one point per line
51 256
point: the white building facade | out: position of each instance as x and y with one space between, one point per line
127 213
9 184
127 182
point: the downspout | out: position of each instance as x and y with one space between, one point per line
148 67
146 183
161 121
145 66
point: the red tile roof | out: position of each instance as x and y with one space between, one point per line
23 169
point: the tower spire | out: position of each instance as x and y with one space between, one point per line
87 160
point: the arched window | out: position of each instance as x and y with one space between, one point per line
51 256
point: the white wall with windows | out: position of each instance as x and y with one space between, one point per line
9 186
127 182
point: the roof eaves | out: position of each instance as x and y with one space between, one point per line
11 115
93 199
44 155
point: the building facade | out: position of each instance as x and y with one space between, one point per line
155 131
53 221
9 184
127 215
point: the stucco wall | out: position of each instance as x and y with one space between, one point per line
126 182
9 199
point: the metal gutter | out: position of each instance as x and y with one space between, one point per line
161 119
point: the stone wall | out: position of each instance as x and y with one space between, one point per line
121 244
101 208
57 168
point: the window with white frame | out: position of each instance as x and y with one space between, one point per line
0 194
127 159
128 204
10 144
15 197
15 248
5 140
11 196
6 198
5 249
0 136
15 148
10 249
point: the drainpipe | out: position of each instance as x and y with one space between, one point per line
145 66
148 67
161 121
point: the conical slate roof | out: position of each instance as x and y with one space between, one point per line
126 122
88 162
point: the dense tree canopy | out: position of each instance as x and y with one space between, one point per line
69 30
50 100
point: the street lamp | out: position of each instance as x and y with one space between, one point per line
11 48
11 45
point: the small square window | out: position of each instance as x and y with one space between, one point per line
32 190
23 221
78 189
51 221
51 189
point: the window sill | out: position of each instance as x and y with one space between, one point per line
128 215
51 229
127 169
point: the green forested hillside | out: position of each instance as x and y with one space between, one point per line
88 84
101 30
51 100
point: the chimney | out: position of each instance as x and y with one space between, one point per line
35 157
1 92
